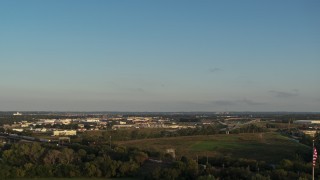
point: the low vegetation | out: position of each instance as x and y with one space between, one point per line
270 147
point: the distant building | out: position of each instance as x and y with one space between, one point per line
25 124
310 132
172 152
18 130
47 121
65 133
122 126
307 122
92 120
17 114
81 125
64 121
40 130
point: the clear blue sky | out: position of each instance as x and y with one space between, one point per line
98 55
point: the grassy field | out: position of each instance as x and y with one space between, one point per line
270 147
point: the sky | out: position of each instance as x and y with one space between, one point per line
182 55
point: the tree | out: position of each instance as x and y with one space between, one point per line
209 177
51 157
34 152
286 164
22 153
5 170
81 154
280 174
67 156
128 168
169 173
91 170
139 157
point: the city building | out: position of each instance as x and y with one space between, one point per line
17 114
65 133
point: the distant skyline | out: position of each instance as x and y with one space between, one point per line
82 55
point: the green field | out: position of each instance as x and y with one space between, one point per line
270 147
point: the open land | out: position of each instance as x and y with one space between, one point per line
269 147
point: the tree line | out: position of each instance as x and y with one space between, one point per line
31 160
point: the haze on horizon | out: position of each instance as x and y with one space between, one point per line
159 55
